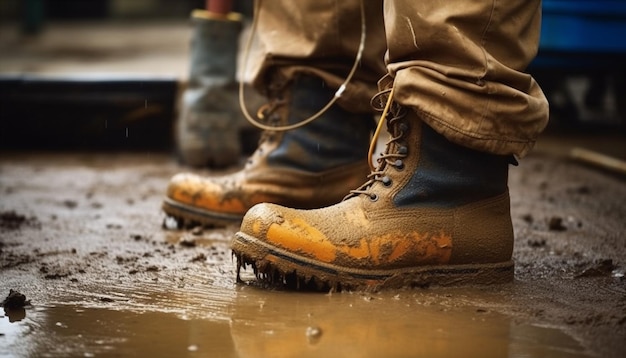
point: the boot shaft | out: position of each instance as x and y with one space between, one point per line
420 167
448 175
336 138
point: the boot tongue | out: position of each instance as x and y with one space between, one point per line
395 150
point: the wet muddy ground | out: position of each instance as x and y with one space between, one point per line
81 237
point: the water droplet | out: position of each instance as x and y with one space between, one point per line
313 334
170 223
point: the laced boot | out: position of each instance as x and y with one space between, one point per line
432 212
307 167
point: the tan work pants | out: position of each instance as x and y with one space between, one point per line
458 63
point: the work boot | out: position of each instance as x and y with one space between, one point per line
308 167
207 130
432 212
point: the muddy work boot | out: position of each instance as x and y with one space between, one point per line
207 129
432 212
308 167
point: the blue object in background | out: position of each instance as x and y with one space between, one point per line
584 26
583 40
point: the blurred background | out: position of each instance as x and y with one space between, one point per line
107 73
97 74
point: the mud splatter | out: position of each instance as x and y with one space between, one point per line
10 220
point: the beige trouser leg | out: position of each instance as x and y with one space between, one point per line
320 37
459 63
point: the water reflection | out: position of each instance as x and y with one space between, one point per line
358 325
260 323
15 314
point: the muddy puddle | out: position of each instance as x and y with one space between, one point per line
245 321
81 237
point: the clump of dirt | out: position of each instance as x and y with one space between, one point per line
536 243
199 258
599 268
187 242
10 220
10 259
54 271
556 224
15 300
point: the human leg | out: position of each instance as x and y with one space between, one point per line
316 164
436 209
460 65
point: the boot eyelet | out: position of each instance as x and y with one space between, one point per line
386 181
403 150
398 164
373 197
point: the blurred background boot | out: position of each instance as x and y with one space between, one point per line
208 127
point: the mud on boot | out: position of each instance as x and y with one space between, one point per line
432 212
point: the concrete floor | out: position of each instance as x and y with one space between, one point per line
111 48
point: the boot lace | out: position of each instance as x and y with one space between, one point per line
395 151
267 114
355 65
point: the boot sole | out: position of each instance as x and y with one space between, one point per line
274 266
187 215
